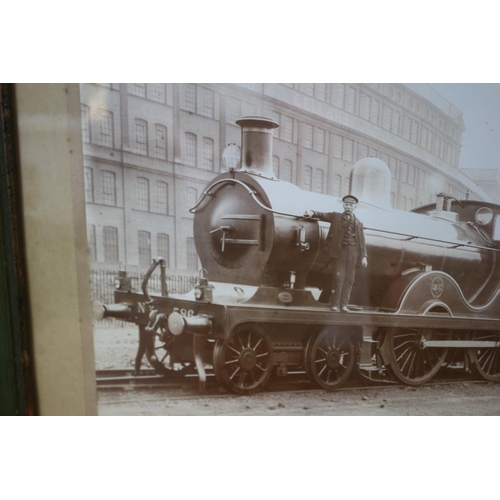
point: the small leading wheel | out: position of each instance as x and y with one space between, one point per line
244 362
409 361
160 352
329 358
485 361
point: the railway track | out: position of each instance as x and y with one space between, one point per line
180 385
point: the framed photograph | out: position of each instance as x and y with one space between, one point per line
186 239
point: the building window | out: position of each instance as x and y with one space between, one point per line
248 109
287 129
276 166
190 98
410 204
319 139
430 141
365 106
387 118
375 112
162 197
362 151
414 132
287 171
233 110
402 203
420 179
307 178
91 242
141 136
308 89
337 146
85 112
423 138
404 172
138 89
319 180
104 128
347 151
164 247
350 103
346 185
338 95
190 149
208 153
110 239
160 142
208 103
308 136
142 194
411 175
439 147
192 256
144 248
89 185
393 199
406 128
276 118
320 91
191 197
157 92
108 182
393 166
337 184
395 123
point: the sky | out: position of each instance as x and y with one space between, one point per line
480 105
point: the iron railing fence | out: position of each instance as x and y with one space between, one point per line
102 288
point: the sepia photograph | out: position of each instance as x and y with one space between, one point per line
298 282
292 248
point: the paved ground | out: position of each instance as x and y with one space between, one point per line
115 348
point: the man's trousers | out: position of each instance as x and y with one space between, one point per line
344 269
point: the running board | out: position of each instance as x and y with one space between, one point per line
459 343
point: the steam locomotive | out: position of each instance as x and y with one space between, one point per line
430 294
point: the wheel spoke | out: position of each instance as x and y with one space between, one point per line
244 362
234 350
329 358
403 354
235 372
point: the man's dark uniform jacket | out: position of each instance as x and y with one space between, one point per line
338 226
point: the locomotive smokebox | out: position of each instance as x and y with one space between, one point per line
371 182
257 145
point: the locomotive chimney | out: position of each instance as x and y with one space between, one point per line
257 145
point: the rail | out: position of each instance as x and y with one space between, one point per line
408 237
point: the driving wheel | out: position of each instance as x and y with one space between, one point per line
244 362
329 358
485 361
409 360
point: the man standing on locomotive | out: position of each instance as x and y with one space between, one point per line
345 244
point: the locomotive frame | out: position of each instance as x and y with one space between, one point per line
268 321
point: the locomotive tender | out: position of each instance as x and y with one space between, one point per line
430 294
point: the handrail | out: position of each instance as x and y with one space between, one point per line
295 216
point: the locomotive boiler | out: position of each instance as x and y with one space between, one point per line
431 287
